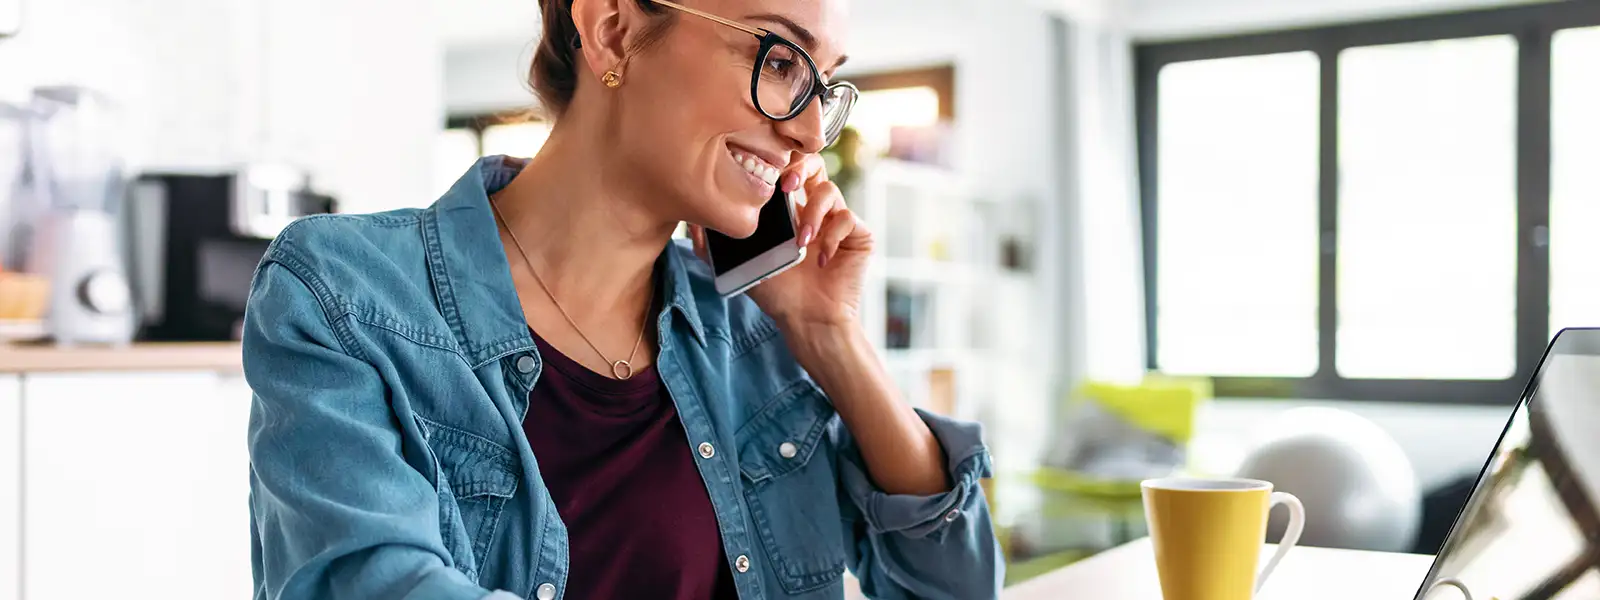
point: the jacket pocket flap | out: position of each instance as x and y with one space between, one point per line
785 433
474 466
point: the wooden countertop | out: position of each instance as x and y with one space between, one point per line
197 356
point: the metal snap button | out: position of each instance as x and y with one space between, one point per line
546 592
742 563
787 450
706 451
525 364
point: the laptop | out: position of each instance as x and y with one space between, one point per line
1531 528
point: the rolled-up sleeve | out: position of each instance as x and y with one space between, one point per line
941 546
337 512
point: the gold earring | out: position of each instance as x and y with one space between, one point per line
612 79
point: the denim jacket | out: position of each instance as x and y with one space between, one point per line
390 366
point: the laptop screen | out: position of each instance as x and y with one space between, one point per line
1531 529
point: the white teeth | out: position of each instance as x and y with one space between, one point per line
760 169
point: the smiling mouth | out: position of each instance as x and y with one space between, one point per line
760 169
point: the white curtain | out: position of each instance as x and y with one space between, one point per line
1099 247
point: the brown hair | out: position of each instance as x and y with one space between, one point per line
554 73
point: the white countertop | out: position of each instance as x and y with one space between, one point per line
1128 572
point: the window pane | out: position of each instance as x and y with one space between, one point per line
1574 179
878 112
516 139
453 153
1237 229
1428 210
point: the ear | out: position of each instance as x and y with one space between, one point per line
603 29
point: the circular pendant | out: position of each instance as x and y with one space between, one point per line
622 369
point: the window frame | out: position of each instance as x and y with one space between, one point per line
1533 27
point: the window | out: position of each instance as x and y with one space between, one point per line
1574 180
1399 210
1428 210
1238 241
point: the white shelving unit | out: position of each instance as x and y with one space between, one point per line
937 299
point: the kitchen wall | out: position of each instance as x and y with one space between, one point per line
350 89
489 77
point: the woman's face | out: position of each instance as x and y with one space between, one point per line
688 124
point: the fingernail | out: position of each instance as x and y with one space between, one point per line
805 236
791 182
822 260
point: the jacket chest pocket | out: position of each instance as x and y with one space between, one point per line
475 479
792 489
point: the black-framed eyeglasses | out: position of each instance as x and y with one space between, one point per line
784 79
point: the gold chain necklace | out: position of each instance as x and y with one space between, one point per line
621 369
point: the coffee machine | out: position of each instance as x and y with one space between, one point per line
196 239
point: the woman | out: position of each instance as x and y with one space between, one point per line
528 390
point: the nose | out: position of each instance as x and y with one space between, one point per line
805 130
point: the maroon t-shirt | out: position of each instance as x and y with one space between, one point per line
621 471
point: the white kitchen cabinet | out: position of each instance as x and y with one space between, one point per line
136 486
10 487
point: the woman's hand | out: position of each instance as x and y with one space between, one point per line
817 305
824 291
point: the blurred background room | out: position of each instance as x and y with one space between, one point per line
1322 242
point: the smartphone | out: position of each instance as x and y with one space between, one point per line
740 264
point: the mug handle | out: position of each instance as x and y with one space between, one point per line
1291 536
1455 583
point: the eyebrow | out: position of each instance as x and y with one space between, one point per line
805 37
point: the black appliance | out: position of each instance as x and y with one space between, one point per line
195 241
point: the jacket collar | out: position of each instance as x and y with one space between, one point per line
471 275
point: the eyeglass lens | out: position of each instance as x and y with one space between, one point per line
784 88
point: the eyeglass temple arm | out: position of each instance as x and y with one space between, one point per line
739 26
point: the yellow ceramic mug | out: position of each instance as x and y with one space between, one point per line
1208 535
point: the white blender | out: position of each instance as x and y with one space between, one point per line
79 184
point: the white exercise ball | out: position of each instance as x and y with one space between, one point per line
1357 485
